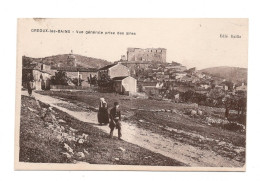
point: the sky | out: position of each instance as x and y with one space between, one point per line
191 42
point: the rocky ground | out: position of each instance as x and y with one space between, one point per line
200 131
48 135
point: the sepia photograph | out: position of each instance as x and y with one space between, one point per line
131 94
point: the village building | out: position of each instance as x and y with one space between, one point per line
159 85
75 71
124 84
200 75
180 75
166 76
80 73
221 87
123 58
113 70
176 68
184 78
39 74
205 86
191 71
135 65
148 54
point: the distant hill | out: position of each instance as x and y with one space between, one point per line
82 61
234 74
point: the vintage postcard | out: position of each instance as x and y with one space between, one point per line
131 94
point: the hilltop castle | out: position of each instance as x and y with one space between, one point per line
148 54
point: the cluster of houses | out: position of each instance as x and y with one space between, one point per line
174 78
135 75
40 74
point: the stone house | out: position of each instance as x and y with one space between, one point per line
39 74
113 70
159 85
180 75
176 68
205 86
134 66
124 84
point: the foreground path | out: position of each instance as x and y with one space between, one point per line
171 148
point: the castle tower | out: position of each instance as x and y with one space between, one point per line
71 60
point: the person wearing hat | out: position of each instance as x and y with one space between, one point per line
103 117
115 120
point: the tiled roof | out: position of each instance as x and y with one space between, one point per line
107 67
75 69
119 78
43 71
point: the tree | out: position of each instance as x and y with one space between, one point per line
229 84
105 82
76 81
227 101
92 80
60 78
216 93
27 76
140 88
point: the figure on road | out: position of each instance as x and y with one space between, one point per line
103 117
115 120
29 87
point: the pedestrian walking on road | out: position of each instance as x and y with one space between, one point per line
29 87
115 120
103 117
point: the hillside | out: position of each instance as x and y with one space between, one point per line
234 74
82 61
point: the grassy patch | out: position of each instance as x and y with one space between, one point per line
158 122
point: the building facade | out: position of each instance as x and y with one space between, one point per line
39 74
134 66
80 73
125 84
114 70
148 54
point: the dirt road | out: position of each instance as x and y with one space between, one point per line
185 153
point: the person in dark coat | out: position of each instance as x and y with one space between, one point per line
103 117
29 87
115 120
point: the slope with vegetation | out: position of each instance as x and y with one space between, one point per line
234 74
